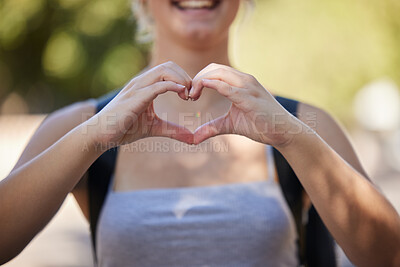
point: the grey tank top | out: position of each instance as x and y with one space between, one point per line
239 224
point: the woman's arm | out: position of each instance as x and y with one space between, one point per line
32 193
34 190
362 221
53 128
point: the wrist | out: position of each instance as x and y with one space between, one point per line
91 135
293 132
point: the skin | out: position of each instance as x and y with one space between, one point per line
56 159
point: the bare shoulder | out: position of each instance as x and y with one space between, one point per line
332 133
55 126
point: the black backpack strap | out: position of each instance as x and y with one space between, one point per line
99 175
315 243
291 186
319 242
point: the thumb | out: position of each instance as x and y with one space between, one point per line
213 128
164 128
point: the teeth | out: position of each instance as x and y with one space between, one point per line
196 4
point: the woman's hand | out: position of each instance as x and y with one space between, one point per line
254 112
130 115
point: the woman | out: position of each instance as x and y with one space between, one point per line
175 207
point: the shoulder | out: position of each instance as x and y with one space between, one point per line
329 129
56 125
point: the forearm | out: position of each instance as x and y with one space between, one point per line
362 221
32 193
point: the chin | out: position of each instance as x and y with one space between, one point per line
203 20
199 33
194 21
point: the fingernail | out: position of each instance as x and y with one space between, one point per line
191 91
180 85
186 93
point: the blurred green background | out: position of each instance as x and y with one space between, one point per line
56 52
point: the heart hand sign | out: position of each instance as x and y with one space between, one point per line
253 113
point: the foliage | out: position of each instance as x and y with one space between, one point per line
54 52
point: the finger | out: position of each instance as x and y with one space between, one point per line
213 67
152 91
234 94
218 72
213 128
168 71
165 72
167 129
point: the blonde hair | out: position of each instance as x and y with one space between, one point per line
144 22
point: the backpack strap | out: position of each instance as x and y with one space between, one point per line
99 175
315 244
320 245
291 186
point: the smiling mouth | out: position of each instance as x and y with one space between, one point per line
196 4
